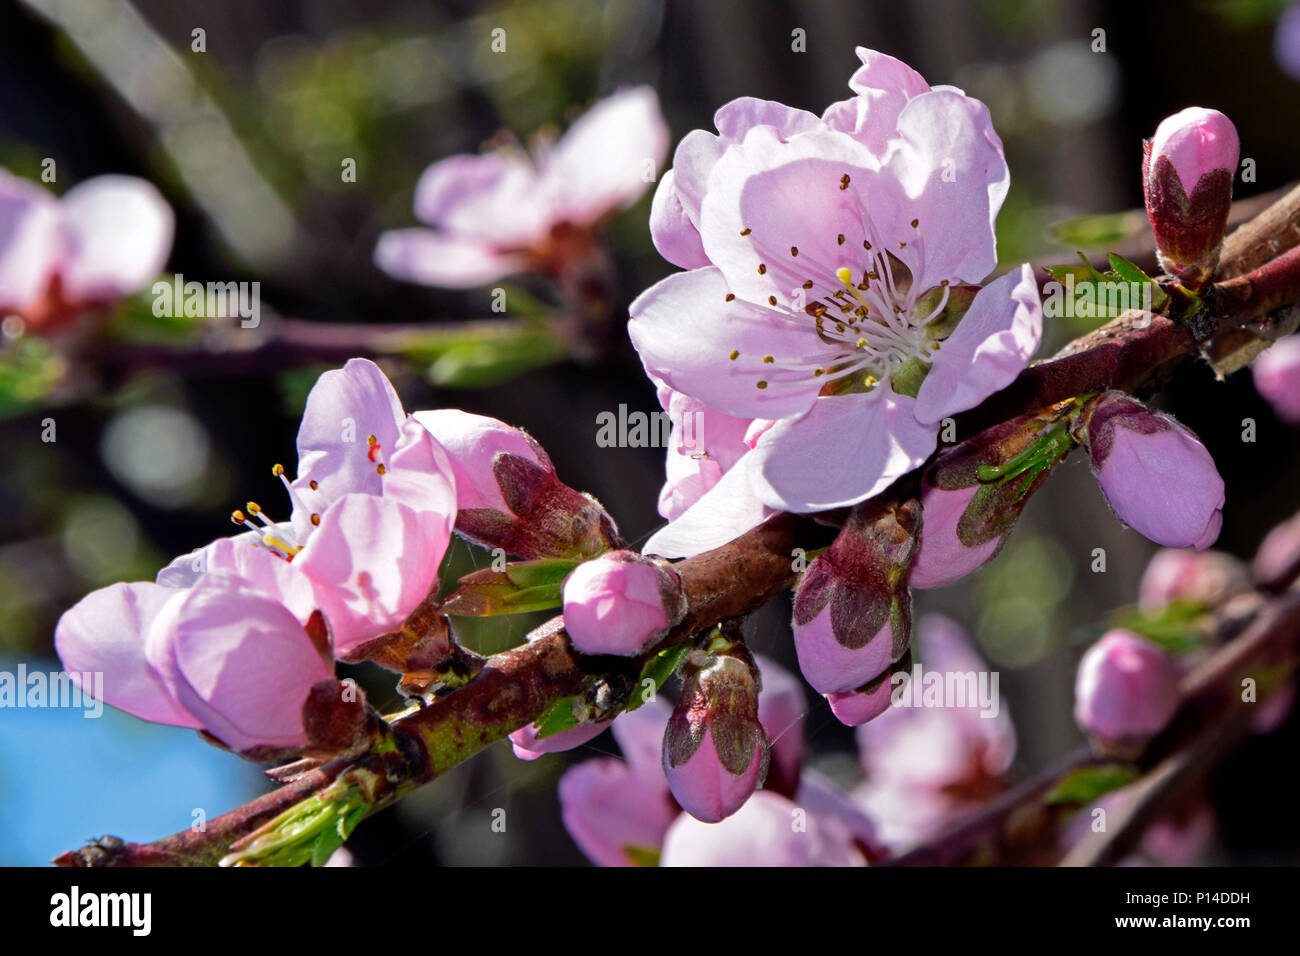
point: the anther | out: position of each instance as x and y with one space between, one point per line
762 269
730 296
746 231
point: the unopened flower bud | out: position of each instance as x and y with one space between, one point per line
620 602
1187 173
1126 689
973 494
1205 579
508 495
1157 476
1279 552
1277 378
853 612
715 751
857 707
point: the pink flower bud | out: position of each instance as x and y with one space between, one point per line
1126 689
1188 169
965 518
619 603
1157 476
1279 551
852 612
1204 578
528 746
942 558
857 707
715 752
508 495
1277 379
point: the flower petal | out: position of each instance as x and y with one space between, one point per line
492 197
344 408
686 331
722 514
607 158
30 242
674 235
846 449
992 344
105 633
951 175
119 232
443 259
373 561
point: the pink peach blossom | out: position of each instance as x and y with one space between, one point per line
497 213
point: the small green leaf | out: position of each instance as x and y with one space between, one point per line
559 717
657 670
1086 784
642 855
491 359
1097 231
521 587
1179 627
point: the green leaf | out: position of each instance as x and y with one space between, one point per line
560 716
1097 231
1083 786
1179 627
642 855
1101 295
520 587
29 371
657 670
484 360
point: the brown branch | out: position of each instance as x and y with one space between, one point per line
1133 352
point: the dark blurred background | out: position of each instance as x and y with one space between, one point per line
245 141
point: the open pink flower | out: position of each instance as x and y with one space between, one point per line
504 212
834 248
105 239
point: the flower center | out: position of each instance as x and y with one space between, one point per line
867 311
280 540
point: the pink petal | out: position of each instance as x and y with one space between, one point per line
31 244
832 668
846 449
607 158
640 735
949 173
736 118
782 708
241 663
373 561
528 746
674 235
942 559
722 514
761 833
991 346
472 443
1277 377
105 633
607 807
443 259
119 231
685 331
767 196
345 407
492 197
